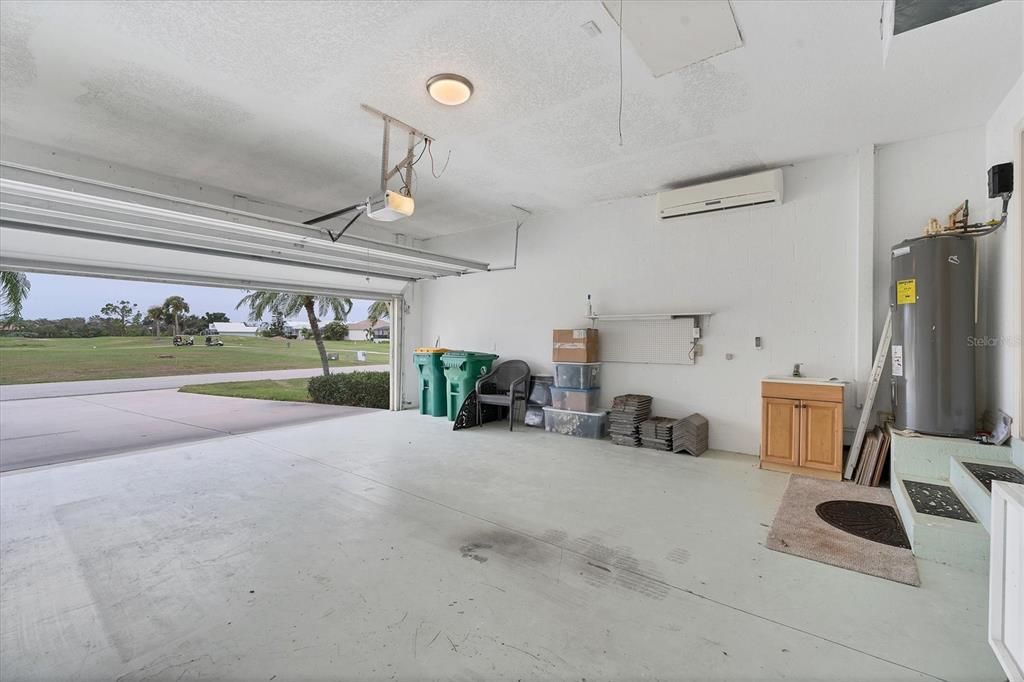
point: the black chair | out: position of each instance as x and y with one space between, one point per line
504 385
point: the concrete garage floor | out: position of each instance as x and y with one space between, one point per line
52 430
385 546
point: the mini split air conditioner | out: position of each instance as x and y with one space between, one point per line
750 190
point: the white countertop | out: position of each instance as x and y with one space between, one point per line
813 381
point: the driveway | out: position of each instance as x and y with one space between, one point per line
52 430
72 388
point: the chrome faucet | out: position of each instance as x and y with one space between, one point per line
796 369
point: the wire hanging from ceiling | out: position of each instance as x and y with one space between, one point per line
430 153
405 187
425 144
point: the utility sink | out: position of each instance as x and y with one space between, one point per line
814 381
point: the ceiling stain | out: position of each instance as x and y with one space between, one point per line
133 100
17 64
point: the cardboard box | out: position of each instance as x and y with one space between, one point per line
574 345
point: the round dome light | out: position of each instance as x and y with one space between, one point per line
449 89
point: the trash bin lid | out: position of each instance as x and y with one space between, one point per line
431 350
469 354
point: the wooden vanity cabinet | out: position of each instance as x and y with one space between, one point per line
802 428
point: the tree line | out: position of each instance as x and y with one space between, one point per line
122 318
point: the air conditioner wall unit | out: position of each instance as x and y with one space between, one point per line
758 189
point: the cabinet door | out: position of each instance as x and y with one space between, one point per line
780 430
821 435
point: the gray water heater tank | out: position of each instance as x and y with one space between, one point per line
933 352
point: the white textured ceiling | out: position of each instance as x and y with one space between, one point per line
263 98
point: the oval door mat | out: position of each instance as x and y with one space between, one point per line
875 522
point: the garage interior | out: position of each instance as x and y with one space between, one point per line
752 268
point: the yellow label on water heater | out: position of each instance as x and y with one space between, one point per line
906 291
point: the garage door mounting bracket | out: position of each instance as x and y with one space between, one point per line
405 165
403 169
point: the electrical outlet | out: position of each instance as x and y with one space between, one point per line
698 349
757 343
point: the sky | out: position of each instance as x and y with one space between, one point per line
57 296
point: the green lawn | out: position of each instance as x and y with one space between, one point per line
26 361
267 389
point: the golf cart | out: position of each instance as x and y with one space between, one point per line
180 340
212 337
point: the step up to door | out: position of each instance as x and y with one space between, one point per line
914 456
939 524
972 480
986 473
936 499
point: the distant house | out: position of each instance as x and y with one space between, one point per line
294 328
381 330
233 329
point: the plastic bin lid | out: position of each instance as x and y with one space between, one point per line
599 413
431 350
575 390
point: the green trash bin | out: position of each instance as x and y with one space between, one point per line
433 387
462 368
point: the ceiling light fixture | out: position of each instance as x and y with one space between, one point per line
450 89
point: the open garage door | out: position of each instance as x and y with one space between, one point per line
61 224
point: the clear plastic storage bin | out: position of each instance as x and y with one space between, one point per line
578 374
573 423
578 399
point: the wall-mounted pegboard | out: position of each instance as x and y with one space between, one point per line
666 339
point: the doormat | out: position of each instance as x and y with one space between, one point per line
800 531
986 473
875 522
937 500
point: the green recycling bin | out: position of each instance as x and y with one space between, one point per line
433 387
462 368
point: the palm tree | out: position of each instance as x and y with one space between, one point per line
176 306
379 310
289 305
156 313
14 288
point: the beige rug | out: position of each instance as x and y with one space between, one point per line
798 530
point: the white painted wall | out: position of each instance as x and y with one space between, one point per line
1001 259
784 273
917 180
864 347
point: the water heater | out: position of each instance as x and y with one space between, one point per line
932 297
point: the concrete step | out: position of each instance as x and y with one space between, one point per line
972 491
929 456
963 544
